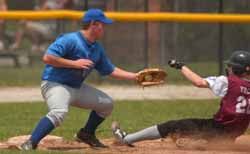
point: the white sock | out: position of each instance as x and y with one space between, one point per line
149 133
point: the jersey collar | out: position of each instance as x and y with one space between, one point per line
89 44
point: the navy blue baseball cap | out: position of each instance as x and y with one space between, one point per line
96 15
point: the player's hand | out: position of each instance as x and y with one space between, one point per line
83 63
175 64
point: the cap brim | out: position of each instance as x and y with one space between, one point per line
107 21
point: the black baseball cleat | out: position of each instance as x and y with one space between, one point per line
26 146
89 139
119 134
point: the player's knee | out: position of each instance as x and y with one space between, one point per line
107 108
57 116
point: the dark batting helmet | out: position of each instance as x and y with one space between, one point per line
239 61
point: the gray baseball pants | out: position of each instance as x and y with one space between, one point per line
59 97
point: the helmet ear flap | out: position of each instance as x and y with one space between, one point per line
238 70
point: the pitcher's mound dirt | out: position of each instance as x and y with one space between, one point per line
241 146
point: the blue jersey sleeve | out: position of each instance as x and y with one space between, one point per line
104 65
60 46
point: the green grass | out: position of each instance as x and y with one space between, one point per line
20 118
20 76
31 76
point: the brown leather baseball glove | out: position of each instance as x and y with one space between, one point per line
151 77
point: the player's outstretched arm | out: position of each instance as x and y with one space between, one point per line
122 74
194 78
197 80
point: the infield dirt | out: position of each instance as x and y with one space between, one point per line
166 92
241 146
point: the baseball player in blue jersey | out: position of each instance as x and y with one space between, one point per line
69 60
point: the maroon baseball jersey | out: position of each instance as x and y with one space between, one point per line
234 112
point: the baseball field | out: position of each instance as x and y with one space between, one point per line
18 119
164 34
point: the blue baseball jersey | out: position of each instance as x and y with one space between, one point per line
74 46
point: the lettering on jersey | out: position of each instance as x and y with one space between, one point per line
245 90
103 100
242 103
